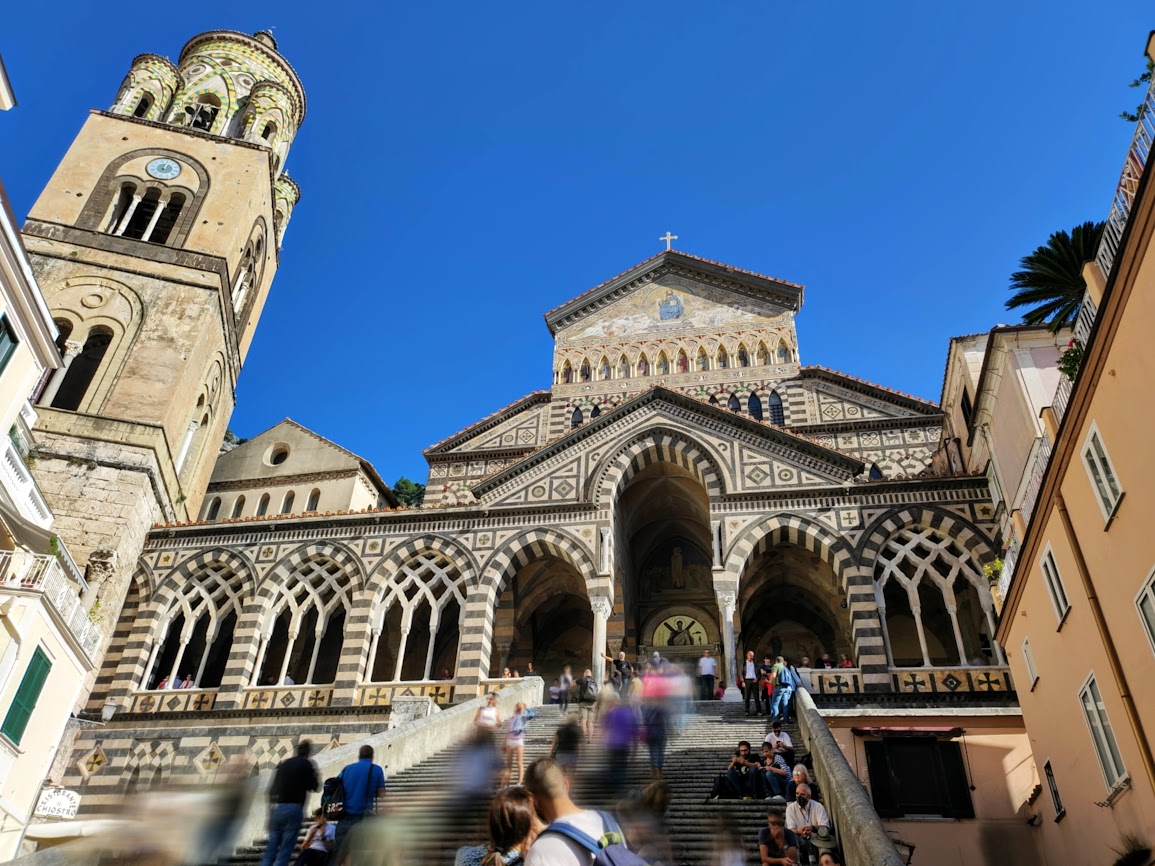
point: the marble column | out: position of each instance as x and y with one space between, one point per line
727 602
71 350
601 607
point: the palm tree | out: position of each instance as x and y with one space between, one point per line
1051 282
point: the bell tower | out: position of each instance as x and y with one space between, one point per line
155 243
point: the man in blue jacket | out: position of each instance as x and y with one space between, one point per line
364 784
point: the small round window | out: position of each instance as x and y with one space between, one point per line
277 454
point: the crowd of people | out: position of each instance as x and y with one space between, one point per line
533 818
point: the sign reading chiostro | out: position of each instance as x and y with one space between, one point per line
57 803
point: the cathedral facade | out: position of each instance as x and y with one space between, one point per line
684 482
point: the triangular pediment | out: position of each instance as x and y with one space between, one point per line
838 397
520 425
674 292
749 456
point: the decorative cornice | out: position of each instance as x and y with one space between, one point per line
519 405
280 480
853 383
753 285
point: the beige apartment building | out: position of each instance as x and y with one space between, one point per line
47 639
1078 621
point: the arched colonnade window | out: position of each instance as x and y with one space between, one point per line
588 368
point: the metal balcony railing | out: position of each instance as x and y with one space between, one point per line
41 573
1128 186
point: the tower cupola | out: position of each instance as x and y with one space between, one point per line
148 88
239 86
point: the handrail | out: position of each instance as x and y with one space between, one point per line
860 830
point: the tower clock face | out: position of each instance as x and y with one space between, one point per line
163 168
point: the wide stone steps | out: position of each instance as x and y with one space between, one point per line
694 757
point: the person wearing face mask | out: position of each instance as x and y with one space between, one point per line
804 816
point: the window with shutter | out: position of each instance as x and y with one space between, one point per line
19 714
918 776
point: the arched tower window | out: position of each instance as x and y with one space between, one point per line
287 503
82 370
167 219
63 332
202 114
214 508
269 131
143 106
239 506
263 505
875 472
595 412
314 500
198 631
139 219
734 404
775 410
576 419
754 404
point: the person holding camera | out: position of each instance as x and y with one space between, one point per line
742 779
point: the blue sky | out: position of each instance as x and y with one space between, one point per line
466 167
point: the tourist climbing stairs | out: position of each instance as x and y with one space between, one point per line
435 823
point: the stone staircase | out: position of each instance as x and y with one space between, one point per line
420 795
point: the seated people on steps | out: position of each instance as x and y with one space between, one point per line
742 779
775 774
805 817
801 776
777 846
548 785
778 738
319 840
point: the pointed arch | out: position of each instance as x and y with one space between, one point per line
763 356
526 546
734 404
723 358
566 373
663 364
450 548
623 367
785 356
785 528
595 412
604 371
576 419
643 367
683 362
754 406
742 355
585 371
654 445
775 413
703 360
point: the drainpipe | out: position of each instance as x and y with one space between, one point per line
1105 636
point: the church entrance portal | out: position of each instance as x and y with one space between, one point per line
663 567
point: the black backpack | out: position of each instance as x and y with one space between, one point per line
587 690
333 799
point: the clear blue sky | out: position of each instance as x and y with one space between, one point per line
466 167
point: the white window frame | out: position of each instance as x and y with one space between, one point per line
1147 591
1100 735
1097 460
1061 610
1029 663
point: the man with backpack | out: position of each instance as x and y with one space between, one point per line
362 784
575 836
587 690
292 782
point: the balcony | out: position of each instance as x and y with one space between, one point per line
38 573
1128 186
22 489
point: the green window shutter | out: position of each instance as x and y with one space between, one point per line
8 341
26 696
